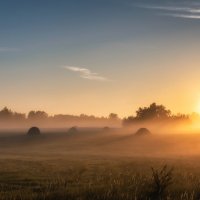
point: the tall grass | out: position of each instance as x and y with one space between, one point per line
161 180
106 184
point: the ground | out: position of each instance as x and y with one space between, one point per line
96 165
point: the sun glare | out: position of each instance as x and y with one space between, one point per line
198 107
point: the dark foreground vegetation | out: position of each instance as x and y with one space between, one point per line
127 180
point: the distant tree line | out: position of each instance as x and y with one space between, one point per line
38 117
7 114
156 113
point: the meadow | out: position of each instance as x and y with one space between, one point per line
96 164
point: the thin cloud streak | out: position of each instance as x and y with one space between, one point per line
171 8
86 73
174 11
183 16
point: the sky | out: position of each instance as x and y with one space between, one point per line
99 56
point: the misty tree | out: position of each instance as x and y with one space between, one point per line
37 115
129 120
6 113
19 116
180 116
113 116
154 111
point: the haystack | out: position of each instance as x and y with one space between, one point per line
73 130
142 131
34 131
106 128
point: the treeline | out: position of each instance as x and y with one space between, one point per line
152 113
155 113
7 116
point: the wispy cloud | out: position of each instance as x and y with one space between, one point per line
184 16
9 49
86 73
172 8
188 12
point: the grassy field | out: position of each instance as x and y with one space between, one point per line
98 165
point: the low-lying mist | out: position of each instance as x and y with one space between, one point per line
104 142
152 132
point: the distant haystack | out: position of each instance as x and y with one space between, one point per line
34 131
106 128
73 130
142 131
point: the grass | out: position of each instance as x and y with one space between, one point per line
97 167
161 180
92 178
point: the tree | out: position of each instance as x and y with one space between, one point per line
19 116
6 114
154 111
37 115
113 116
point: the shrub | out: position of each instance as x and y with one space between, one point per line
161 180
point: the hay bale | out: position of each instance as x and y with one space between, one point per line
106 128
142 132
73 130
34 131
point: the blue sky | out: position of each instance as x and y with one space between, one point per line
99 56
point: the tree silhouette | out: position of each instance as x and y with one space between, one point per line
113 116
19 116
6 114
37 115
154 111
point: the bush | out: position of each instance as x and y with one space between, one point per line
161 180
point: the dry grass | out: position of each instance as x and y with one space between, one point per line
85 168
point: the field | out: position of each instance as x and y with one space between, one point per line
96 164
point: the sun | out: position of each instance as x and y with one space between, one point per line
198 107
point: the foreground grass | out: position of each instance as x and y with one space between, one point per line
99 167
95 178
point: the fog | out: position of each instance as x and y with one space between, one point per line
117 142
